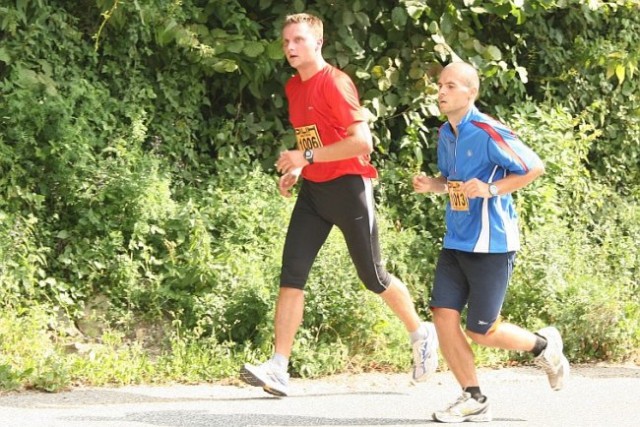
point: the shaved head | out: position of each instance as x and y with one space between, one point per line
466 73
458 87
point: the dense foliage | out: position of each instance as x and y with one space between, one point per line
139 224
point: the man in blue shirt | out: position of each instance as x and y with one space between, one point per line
481 163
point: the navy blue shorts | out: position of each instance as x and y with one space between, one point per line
347 203
476 280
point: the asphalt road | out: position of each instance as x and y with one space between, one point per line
520 397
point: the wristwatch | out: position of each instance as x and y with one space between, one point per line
308 156
493 190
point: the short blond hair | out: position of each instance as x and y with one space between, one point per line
315 23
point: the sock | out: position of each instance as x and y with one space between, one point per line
475 393
539 346
418 334
280 361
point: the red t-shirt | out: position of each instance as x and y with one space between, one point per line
320 110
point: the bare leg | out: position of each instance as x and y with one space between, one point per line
454 346
289 310
397 297
506 336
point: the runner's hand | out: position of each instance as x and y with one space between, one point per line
427 184
290 160
286 182
476 188
420 183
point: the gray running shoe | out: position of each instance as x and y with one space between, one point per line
425 354
554 363
466 408
268 376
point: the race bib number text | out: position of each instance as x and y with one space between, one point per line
307 137
459 201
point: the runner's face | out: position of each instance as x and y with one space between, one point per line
300 46
454 95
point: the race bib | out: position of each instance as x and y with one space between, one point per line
307 137
459 201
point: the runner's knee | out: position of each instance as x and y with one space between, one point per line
376 283
477 329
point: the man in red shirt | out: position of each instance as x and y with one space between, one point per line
333 147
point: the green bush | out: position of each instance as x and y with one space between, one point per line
578 269
587 290
138 198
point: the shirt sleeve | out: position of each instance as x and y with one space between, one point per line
510 153
343 97
442 154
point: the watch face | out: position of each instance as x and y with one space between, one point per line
493 190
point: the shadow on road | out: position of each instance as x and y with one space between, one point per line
204 419
108 397
606 372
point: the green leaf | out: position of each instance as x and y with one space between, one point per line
253 49
392 100
415 10
384 84
478 10
493 53
168 33
274 50
416 73
437 38
225 66
610 70
235 46
377 71
298 5
376 41
399 17
28 78
620 71
347 18
433 110
522 72
4 56
363 19
362 75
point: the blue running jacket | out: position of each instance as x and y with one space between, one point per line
488 150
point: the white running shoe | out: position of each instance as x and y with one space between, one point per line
425 354
466 408
270 377
554 363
